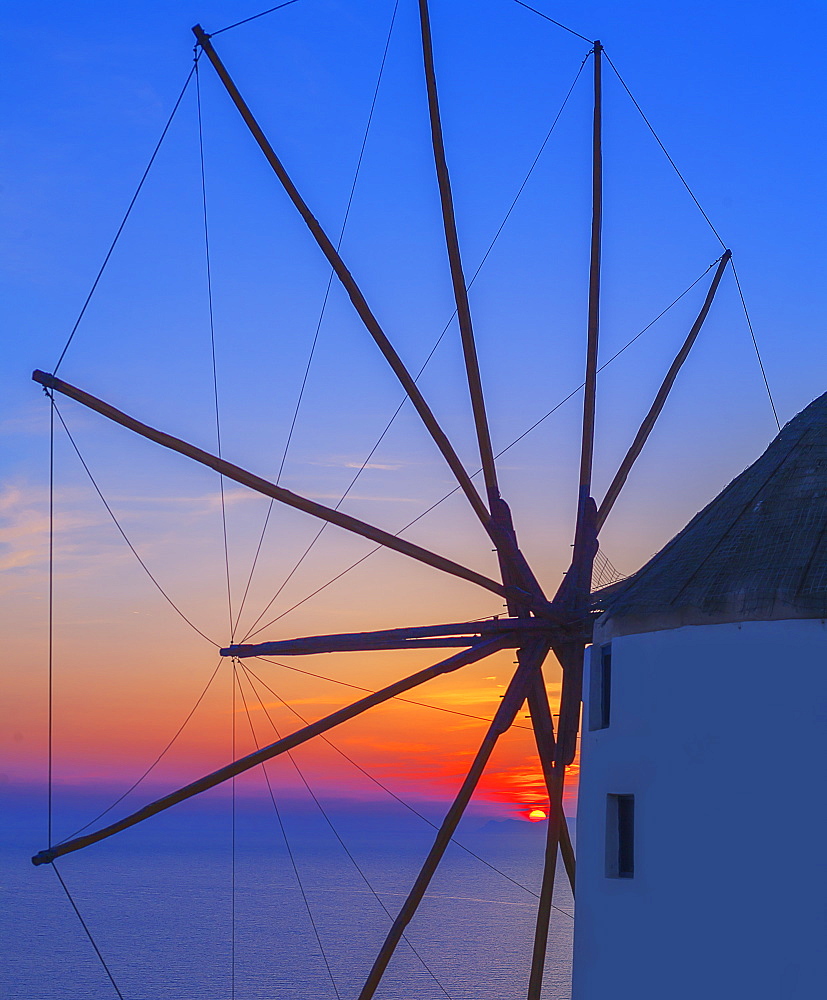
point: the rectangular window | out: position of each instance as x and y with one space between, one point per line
620 836
600 689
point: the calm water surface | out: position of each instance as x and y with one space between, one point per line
160 908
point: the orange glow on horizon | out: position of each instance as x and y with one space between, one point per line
120 700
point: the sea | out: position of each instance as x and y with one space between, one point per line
291 905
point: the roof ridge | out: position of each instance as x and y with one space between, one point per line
739 556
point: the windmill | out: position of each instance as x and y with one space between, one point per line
537 625
720 630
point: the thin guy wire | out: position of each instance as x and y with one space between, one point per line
428 358
407 701
88 932
610 360
754 342
499 454
287 845
212 342
528 175
154 764
323 308
358 562
123 534
123 222
393 794
665 153
51 610
234 682
571 31
255 17
333 829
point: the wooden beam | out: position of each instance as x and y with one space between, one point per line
577 584
556 823
469 633
660 399
509 706
557 831
593 325
321 644
455 260
269 489
576 588
570 655
348 282
544 735
478 652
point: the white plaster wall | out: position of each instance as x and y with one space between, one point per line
720 732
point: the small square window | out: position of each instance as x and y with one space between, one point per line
600 687
620 836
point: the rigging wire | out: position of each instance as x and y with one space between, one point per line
287 844
234 683
527 176
51 627
123 221
427 360
234 679
322 312
85 926
709 223
254 631
617 354
154 764
123 534
665 152
255 17
571 31
754 342
330 823
387 790
407 701
212 340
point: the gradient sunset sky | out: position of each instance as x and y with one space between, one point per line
735 96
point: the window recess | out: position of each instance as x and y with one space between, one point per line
620 836
600 687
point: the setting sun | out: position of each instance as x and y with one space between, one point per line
536 815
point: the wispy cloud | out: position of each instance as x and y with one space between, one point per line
24 526
29 421
200 503
362 496
342 462
373 465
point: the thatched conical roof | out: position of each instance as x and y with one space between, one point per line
757 552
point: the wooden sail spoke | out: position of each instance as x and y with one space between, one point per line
593 325
517 631
455 260
577 583
462 659
269 489
554 836
543 726
571 657
557 831
660 399
509 706
348 282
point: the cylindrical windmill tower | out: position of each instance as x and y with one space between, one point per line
702 824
